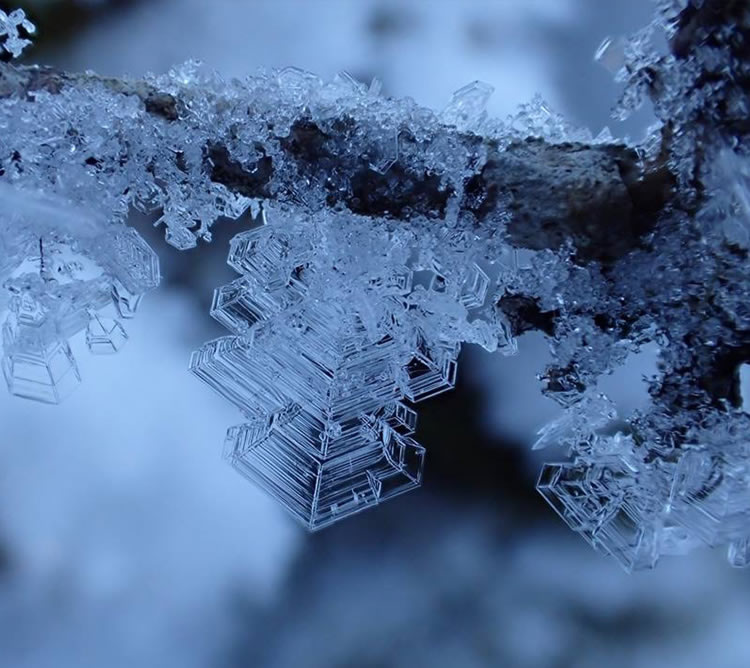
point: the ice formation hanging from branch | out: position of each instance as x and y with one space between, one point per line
393 235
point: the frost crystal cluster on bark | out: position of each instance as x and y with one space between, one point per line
385 236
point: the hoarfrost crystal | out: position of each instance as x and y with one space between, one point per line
331 340
62 269
12 28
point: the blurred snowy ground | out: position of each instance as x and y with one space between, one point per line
126 541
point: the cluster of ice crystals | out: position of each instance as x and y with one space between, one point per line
13 27
468 105
636 502
675 475
341 317
387 240
61 269
337 328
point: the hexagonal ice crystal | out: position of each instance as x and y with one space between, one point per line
105 335
318 491
45 373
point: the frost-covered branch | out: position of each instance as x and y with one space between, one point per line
368 157
394 234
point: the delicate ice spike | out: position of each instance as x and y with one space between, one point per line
349 83
578 423
376 86
611 54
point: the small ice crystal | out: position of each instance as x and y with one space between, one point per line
611 54
13 27
36 367
105 335
468 107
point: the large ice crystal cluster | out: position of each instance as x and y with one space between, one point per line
336 328
385 237
63 270
678 474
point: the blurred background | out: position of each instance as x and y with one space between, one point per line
125 540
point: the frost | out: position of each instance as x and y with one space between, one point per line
13 27
384 237
467 108
62 267
328 343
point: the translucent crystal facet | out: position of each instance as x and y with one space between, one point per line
105 335
38 367
13 27
593 502
468 105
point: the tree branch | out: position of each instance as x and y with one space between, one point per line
555 191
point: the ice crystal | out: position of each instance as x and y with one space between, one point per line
331 339
468 106
677 475
13 27
62 267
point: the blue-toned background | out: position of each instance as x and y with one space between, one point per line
126 541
